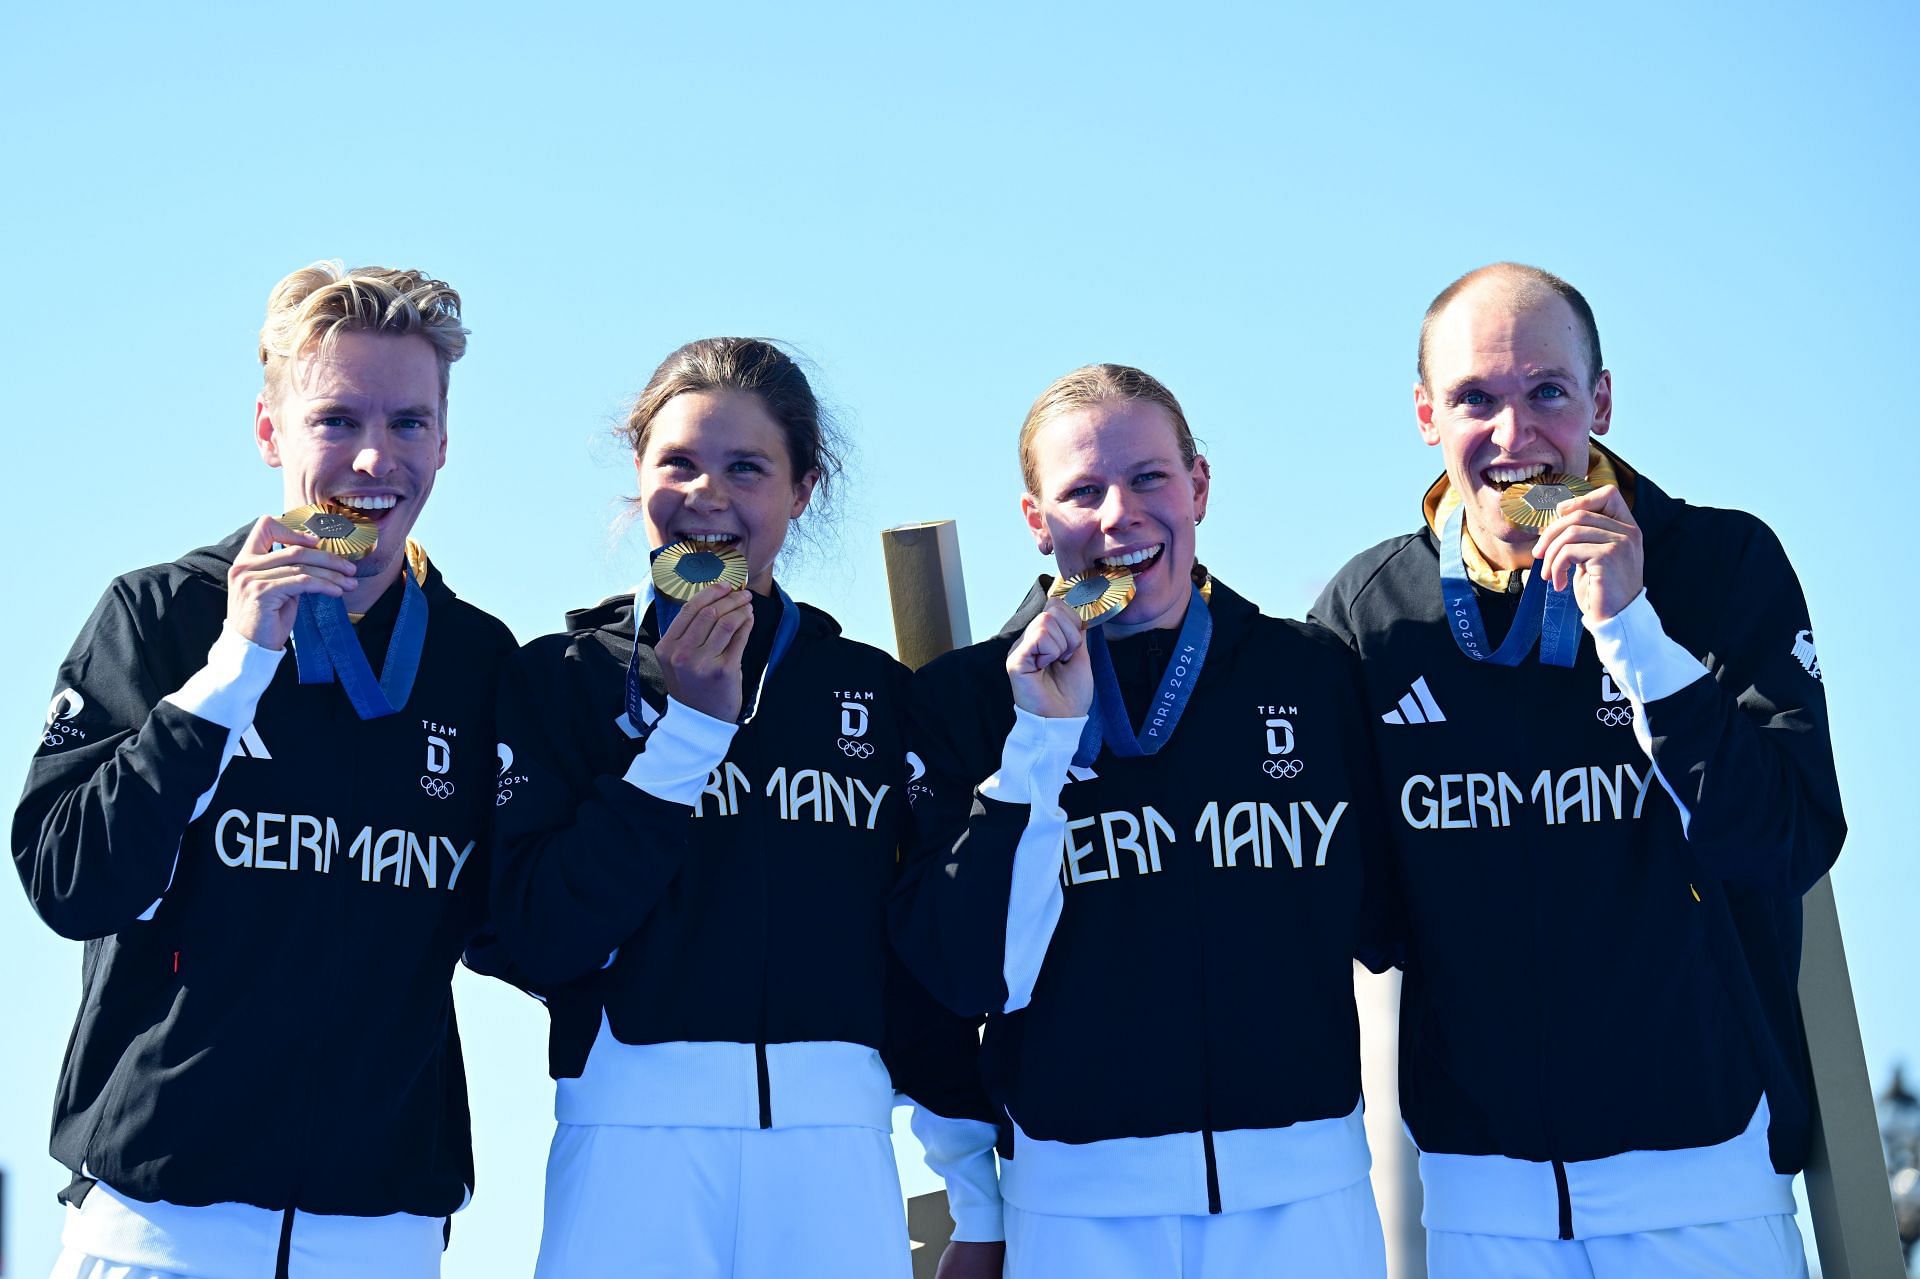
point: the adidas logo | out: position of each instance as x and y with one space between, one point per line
1416 707
251 747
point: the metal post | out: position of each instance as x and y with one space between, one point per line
930 1229
929 618
929 597
1853 1224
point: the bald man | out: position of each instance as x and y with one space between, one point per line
1602 727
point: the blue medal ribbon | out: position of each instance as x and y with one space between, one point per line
1545 614
325 648
664 611
1109 725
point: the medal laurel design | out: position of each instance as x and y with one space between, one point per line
684 568
1095 595
1531 505
341 532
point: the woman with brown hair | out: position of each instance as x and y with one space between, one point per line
703 788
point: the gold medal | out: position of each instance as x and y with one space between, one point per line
340 532
1531 505
683 569
1095 595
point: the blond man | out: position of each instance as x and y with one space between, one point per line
275 863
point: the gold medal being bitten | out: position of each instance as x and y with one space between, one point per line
1531 505
1095 595
341 533
683 569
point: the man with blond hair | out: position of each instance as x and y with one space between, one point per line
275 864
1602 845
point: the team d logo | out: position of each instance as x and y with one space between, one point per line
1615 711
1279 763
853 726
435 781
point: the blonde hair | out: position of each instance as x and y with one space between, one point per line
1098 384
307 311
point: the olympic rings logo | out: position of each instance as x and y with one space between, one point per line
51 738
1279 768
1614 716
856 750
438 787
502 796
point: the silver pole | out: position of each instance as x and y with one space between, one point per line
1853 1224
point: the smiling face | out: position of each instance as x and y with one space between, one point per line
360 425
1508 397
715 466
1113 491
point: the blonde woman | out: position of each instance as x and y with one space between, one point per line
1143 857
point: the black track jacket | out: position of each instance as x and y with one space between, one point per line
266 1014
1199 977
1592 967
757 916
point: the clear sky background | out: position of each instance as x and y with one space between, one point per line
945 207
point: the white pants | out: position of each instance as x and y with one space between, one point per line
722 1203
1757 1248
1332 1236
78 1265
112 1237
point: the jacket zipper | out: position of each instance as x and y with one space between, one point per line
766 1087
1206 1069
1566 1199
284 1257
763 1080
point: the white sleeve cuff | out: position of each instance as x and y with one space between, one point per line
228 688
1033 763
961 1152
1645 662
683 748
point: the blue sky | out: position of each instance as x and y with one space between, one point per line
946 207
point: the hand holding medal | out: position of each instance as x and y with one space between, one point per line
325 646
708 616
1593 542
1048 664
276 566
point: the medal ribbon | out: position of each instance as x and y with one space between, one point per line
664 611
325 648
1109 725
1545 614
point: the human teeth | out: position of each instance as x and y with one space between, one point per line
1515 474
1130 558
713 537
367 503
